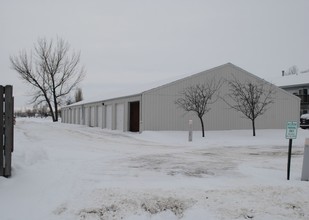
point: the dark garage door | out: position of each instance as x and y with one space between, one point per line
134 116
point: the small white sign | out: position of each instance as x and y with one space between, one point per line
291 130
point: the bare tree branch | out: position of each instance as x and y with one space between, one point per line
293 70
252 99
52 72
198 98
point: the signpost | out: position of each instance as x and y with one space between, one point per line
291 133
190 130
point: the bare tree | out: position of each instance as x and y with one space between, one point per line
78 95
51 70
198 98
293 70
250 98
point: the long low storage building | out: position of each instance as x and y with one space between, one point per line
155 108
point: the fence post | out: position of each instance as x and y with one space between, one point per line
1 132
8 131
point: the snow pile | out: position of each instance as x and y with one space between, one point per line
63 171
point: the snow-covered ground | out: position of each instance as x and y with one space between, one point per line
63 171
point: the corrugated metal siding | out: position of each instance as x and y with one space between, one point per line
71 116
161 113
68 115
76 116
64 115
158 110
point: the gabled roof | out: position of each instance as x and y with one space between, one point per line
132 91
138 90
147 87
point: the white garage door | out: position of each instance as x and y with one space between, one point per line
100 116
87 116
92 123
119 116
81 115
108 117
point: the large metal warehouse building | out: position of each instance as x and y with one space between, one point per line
154 108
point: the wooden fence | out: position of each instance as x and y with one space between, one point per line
6 129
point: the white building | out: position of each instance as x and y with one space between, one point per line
155 109
298 85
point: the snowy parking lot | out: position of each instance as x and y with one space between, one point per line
63 171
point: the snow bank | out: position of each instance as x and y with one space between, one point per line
63 171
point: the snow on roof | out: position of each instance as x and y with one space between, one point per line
291 80
139 89
133 90
282 81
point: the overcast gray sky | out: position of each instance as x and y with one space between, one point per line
138 41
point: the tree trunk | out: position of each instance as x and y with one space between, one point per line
56 112
202 124
55 99
51 111
253 127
